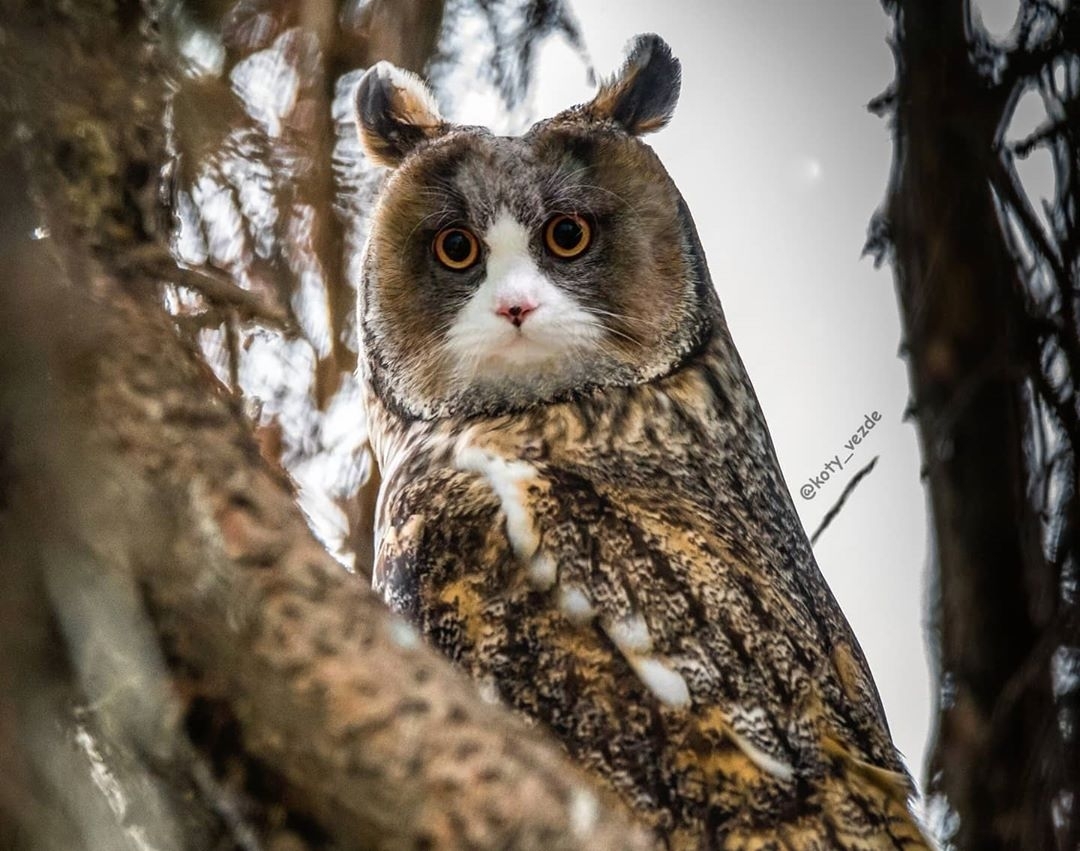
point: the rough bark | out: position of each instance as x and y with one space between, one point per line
1000 756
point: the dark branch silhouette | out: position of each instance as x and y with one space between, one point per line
988 299
849 488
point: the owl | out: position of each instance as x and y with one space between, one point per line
581 505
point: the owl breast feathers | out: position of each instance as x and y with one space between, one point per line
581 505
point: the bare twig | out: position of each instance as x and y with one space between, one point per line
830 515
155 263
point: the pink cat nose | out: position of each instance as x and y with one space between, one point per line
515 311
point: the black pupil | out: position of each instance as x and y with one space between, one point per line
567 234
457 246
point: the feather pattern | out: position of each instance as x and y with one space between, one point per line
714 681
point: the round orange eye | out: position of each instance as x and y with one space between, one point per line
456 248
567 236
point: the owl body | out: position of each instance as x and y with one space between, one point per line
581 505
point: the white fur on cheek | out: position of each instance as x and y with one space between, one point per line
485 345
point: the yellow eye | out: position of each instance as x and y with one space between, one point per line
567 236
456 248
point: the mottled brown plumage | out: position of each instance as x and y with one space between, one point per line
602 538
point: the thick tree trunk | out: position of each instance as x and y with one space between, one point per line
998 751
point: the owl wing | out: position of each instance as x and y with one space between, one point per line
678 645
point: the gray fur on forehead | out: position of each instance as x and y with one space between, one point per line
555 167
505 174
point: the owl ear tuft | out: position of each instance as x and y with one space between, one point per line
642 95
395 112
